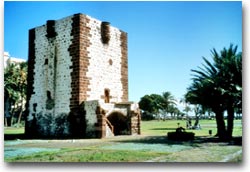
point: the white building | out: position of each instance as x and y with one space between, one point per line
8 59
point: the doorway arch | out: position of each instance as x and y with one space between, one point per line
120 123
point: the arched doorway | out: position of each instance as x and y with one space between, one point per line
120 123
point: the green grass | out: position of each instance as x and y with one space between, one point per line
88 155
184 152
213 153
151 146
13 130
159 128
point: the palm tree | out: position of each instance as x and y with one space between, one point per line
187 109
15 87
186 104
22 86
229 65
11 95
174 111
198 111
204 91
218 86
168 101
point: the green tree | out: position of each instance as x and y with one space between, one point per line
229 65
198 111
174 111
156 104
218 86
186 104
22 86
205 93
187 109
10 94
151 103
168 102
15 82
146 104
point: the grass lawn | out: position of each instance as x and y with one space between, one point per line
158 128
13 130
162 127
88 155
151 146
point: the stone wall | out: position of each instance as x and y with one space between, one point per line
80 58
90 108
105 68
50 77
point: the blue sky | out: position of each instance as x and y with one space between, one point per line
165 39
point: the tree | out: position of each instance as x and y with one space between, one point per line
14 89
22 86
151 103
168 102
187 109
156 103
218 86
205 92
10 94
229 65
186 104
198 111
174 111
147 104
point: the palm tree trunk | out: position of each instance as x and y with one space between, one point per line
221 129
230 121
20 117
21 112
12 120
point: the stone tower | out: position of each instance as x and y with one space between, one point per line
78 80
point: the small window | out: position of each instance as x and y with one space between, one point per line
34 107
110 62
46 61
106 95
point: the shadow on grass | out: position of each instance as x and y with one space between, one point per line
153 140
14 136
197 140
163 129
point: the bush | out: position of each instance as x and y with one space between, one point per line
145 116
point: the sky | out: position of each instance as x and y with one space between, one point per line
165 39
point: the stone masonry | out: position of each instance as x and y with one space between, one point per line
78 80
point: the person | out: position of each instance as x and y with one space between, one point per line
180 129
